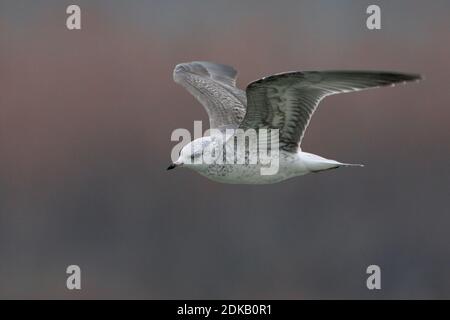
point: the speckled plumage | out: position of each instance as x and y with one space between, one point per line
283 102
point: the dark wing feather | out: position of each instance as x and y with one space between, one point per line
287 101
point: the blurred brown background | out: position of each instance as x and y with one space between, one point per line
85 124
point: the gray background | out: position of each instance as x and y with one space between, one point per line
85 124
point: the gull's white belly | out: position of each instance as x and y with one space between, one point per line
289 166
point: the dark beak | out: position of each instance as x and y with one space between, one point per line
172 166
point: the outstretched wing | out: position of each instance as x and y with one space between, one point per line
214 86
287 101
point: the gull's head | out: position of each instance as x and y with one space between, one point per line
191 156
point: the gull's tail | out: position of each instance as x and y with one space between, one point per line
351 165
316 163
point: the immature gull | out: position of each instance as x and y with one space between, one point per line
283 103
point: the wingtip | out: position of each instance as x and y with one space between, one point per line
420 77
400 77
415 77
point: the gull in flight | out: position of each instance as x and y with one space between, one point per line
284 102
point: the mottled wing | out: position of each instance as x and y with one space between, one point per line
287 101
214 86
